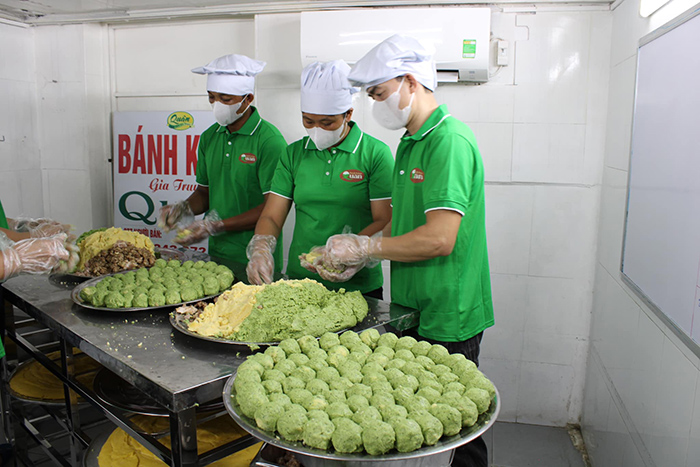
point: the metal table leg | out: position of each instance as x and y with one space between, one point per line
183 438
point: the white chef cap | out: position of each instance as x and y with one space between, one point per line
395 56
325 89
231 74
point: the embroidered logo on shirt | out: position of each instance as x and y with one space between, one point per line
417 175
247 158
352 175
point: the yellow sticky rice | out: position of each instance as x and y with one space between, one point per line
36 382
91 246
121 450
226 315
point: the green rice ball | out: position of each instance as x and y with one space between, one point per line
172 297
114 300
290 346
329 340
347 437
430 426
388 339
140 301
357 402
450 418
272 387
370 337
327 374
286 366
409 435
378 437
266 416
276 353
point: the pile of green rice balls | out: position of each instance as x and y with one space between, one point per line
361 393
166 283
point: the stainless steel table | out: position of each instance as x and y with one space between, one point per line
177 371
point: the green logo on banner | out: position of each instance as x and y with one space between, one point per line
468 48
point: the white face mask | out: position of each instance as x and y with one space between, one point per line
326 138
227 114
387 112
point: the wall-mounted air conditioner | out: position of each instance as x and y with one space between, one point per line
459 36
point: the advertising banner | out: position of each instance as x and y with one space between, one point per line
154 164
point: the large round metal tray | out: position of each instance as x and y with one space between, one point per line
75 295
181 325
467 434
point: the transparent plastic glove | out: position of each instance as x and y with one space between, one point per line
175 216
311 260
34 256
347 253
200 230
261 263
49 229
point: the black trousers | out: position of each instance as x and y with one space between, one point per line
376 293
475 453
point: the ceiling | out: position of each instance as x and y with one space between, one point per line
78 11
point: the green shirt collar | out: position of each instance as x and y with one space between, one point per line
248 127
349 144
436 118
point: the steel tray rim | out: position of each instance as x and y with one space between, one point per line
180 327
442 446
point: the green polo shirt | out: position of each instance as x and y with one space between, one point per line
333 188
440 167
3 219
238 168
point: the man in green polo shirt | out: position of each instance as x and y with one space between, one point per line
237 157
338 176
437 238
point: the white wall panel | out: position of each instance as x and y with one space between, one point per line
651 373
158 59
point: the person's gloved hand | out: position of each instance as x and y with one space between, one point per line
348 253
49 229
174 215
34 256
200 230
313 259
261 263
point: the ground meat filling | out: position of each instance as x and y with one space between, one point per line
121 256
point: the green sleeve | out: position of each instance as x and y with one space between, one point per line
270 153
449 173
381 173
283 181
3 219
202 174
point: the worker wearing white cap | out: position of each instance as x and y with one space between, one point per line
337 176
237 157
437 237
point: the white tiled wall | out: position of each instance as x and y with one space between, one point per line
641 397
20 156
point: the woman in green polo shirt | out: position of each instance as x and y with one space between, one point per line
338 176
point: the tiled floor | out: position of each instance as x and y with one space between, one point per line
521 445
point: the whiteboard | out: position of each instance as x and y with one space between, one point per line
661 252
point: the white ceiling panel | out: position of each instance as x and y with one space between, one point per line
76 11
